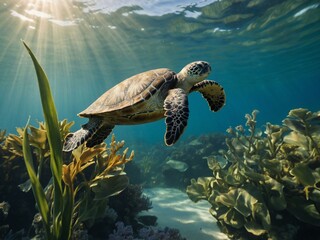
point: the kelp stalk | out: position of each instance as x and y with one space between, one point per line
63 199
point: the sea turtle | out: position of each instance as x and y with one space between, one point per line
147 97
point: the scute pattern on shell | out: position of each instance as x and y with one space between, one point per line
129 92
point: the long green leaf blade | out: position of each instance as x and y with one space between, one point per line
37 189
54 139
51 118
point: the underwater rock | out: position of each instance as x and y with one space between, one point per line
37 225
177 165
4 227
4 208
195 142
80 234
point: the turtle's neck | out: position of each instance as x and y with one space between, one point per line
183 83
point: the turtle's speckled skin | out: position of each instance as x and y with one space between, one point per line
147 97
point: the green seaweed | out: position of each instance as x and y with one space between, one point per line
72 197
272 179
62 199
37 189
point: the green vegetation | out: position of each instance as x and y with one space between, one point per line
67 200
269 186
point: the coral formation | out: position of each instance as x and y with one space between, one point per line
123 207
269 188
160 166
129 203
125 232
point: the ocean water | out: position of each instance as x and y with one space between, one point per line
265 53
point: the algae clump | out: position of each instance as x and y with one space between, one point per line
270 186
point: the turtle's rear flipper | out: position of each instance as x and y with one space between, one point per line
101 134
74 140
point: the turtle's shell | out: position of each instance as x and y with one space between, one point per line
132 91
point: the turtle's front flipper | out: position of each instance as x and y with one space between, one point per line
74 140
101 134
212 92
177 113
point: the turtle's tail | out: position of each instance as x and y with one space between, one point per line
74 140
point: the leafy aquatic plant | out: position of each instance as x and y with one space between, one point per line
61 212
106 179
95 174
11 147
67 201
270 186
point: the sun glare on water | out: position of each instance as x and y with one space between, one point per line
67 39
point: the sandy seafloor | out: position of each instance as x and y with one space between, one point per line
175 210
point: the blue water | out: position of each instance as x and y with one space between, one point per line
265 53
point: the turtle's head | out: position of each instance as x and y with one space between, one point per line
195 72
